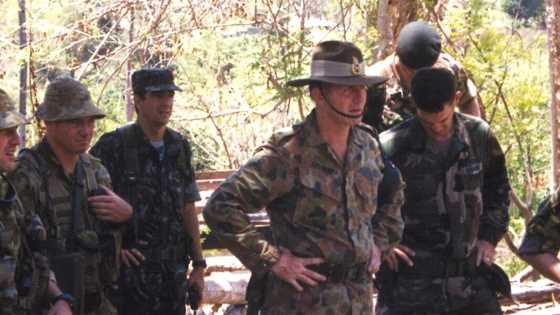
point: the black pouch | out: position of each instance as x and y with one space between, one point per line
255 293
497 279
69 271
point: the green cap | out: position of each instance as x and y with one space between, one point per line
65 99
9 116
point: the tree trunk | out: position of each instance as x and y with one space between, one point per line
384 28
553 27
128 98
23 67
402 13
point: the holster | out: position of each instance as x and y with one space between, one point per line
180 284
255 293
69 271
384 282
497 279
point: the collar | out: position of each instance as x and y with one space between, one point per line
46 151
312 137
144 142
417 137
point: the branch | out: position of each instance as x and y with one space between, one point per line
132 50
217 126
523 207
91 58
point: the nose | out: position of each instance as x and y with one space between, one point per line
86 128
14 139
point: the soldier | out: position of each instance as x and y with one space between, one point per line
418 45
13 231
151 167
318 181
54 179
455 211
541 242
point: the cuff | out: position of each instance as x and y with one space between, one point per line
489 236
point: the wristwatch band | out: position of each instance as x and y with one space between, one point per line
64 296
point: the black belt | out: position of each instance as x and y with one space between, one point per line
341 273
439 267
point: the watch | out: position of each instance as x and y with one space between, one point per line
199 263
64 296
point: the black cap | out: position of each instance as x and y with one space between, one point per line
153 80
418 45
431 88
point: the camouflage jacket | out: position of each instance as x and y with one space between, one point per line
318 205
158 185
399 103
543 232
45 189
454 199
10 243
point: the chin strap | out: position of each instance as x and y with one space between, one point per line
334 109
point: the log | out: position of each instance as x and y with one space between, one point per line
229 288
226 287
532 293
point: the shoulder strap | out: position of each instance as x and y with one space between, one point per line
131 169
89 172
182 156
130 153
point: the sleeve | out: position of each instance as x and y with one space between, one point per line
27 183
543 231
260 181
388 224
466 86
191 190
495 194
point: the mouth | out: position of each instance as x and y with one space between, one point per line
356 113
10 154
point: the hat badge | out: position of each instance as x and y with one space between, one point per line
355 66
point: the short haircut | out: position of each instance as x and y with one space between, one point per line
432 88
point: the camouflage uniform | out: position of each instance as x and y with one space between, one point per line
51 198
543 232
16 261
10 244
318 207
162 184
452 200
46 190
399 103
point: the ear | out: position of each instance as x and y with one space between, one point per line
458 95
315 94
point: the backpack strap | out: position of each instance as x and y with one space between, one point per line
131 172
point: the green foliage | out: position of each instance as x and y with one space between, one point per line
233 58
524 9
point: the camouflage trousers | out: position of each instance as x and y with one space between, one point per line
8 308
342 298
413 295
105 308
152 293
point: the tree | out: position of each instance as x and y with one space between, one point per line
553 28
